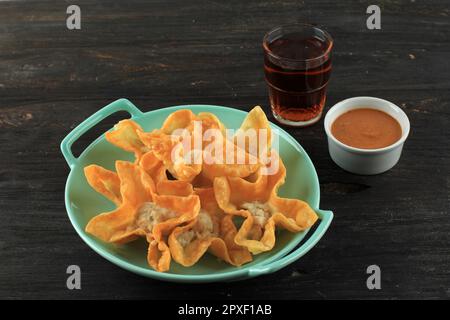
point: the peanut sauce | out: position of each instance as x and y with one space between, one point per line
366 128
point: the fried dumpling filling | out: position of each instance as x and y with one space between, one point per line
260 211
150 214
202 229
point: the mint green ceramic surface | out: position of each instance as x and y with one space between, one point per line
82 202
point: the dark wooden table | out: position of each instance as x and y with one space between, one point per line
163 53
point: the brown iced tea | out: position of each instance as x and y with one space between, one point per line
297 66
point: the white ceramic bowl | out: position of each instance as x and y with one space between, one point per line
365 161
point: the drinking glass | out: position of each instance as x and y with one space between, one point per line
297 67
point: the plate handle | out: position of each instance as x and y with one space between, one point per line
83 127
326 217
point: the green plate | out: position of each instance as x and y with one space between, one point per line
82 203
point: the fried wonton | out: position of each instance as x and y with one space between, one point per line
234 156
183 196
211 230
118 226
167 143
169 150
223 157
174 188
262 208
144 213
153 167
105 182
180 119
210 121
255 133
178 210
125 137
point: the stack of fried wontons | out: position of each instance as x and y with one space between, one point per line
185 208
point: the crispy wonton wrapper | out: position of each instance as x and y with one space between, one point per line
235 196
153 167
234 168
240 147
118 226
211 230
105 182
125 137
188 208
125 224
257 122
180 119
210 120
166 148
166 142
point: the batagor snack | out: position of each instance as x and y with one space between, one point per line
187 206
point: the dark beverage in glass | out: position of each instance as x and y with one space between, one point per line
297 67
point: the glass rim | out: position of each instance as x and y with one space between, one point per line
269 52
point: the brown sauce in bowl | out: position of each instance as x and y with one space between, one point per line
366 128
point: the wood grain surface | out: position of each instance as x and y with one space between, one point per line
163 53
